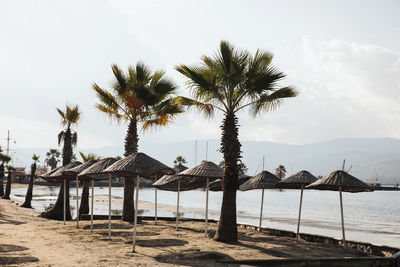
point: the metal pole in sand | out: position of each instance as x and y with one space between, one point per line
136 211
65 200
298 220
155 206
207 207
262 201
341 212
109 206
261 210
77 201
177 204
91 209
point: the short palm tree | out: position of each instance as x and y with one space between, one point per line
280 171
69 117
28 196
230 81
180 160
4 159
84 206
140 96
52 158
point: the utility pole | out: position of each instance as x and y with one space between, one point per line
8 142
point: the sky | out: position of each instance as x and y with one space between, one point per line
343 57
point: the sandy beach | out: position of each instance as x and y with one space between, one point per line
31 241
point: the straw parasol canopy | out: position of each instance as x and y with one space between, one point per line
170 182
138 164
263 180
217 184
96 170
80 168
206 169
297 180
336 179
46 175
58 175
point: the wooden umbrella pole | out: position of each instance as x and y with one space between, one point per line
91 209
261 210
77 201
155 206
177 205
65 200
109 206
298 220
341 212
136 211
207 207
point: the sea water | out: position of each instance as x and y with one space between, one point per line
369 217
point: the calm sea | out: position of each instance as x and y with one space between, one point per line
370 217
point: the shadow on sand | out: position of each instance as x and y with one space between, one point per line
188 258
7 259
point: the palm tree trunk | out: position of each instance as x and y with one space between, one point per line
131 146
227 225
57 211
1 179
84 206
28 196
8 186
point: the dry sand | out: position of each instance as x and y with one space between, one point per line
27 240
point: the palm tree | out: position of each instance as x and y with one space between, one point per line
230 81
9 181
52 158
180 160
69 117
84 206
28 196
4 159
137 97
280 171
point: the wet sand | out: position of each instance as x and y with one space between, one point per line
41 242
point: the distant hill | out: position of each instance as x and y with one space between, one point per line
368 158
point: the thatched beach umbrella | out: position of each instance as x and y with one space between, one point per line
217 184
340 181
58 175
74 172
46 175
175 183
95 172
298 181
138 164
207 170
263 180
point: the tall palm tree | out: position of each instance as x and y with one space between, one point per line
230 81
180 160
52 158
140 96
68 137
84 206
280 171
28 196
7 193
4 159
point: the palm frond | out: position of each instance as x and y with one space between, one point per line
206 109
268 102
61 136
74 139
